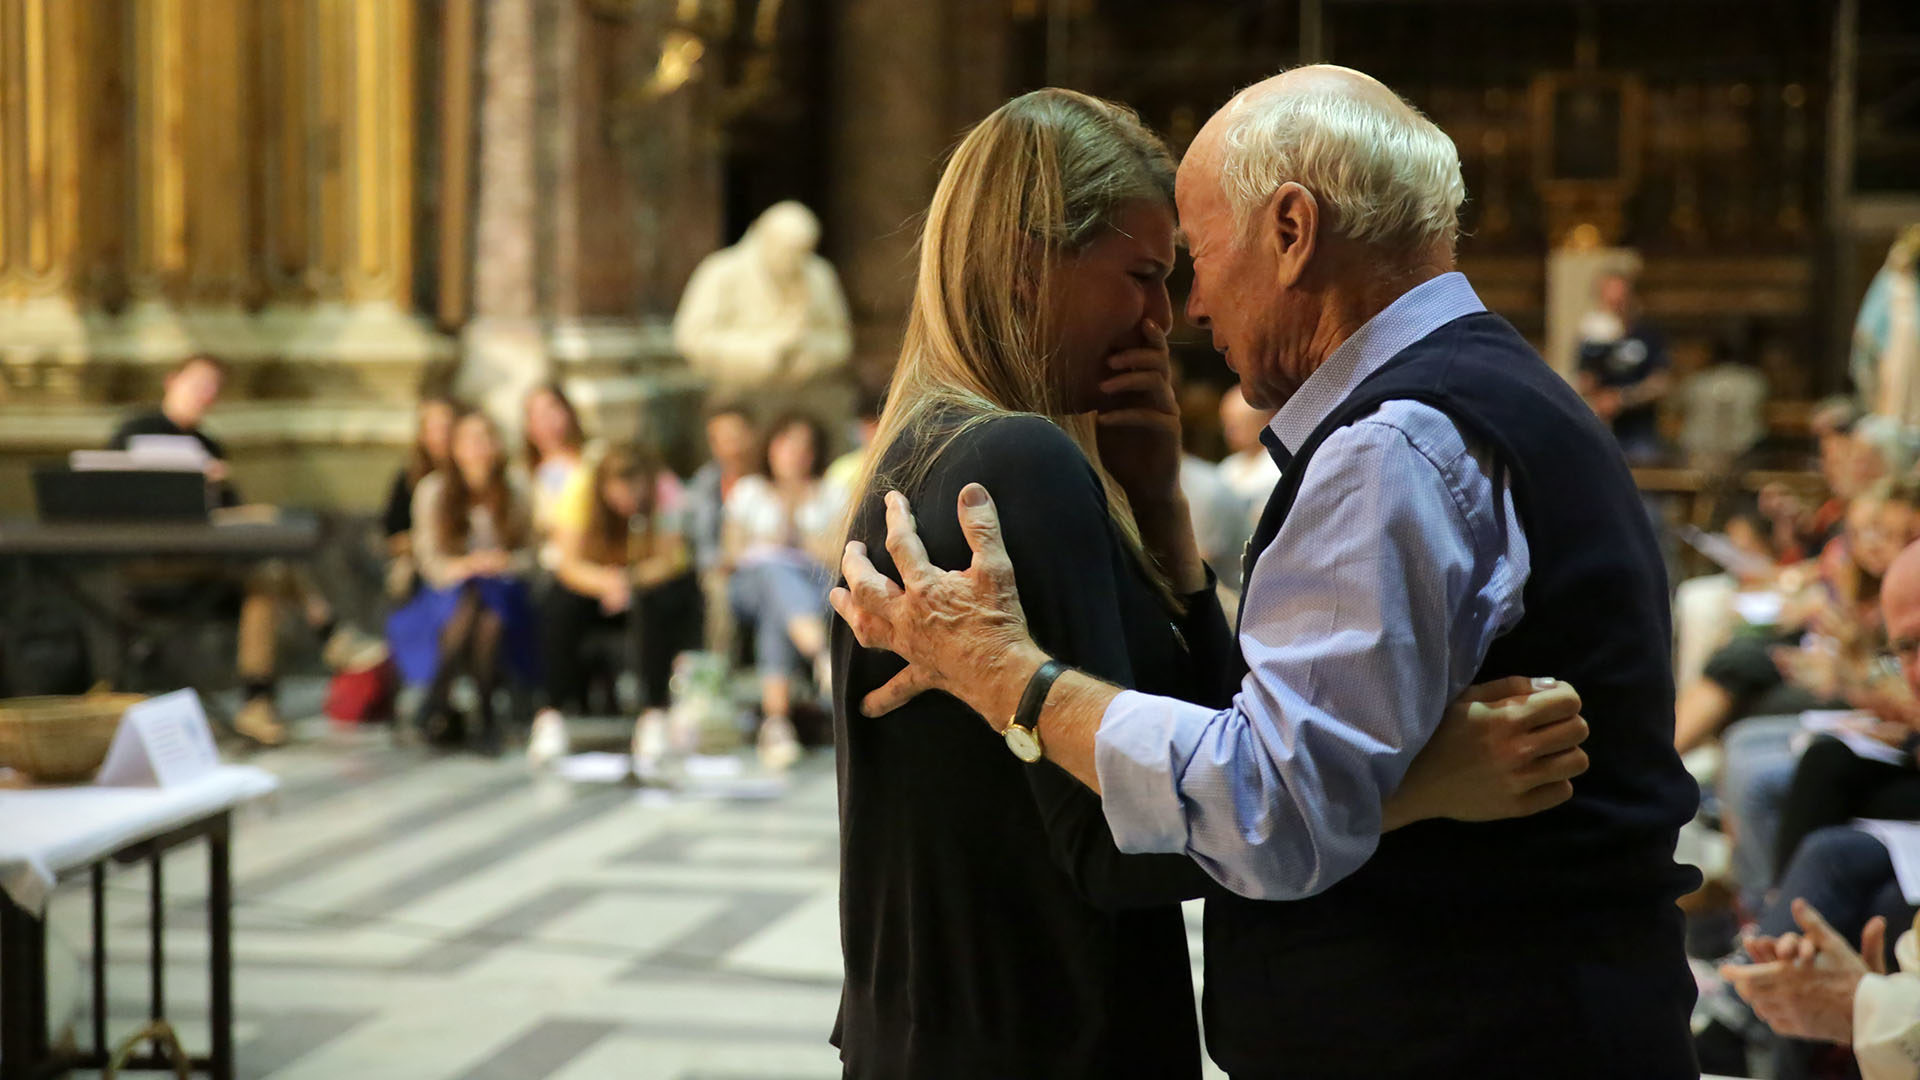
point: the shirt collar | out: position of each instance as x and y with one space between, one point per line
1418 312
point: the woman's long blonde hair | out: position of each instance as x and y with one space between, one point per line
1038 179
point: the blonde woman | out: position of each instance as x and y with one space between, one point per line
989 924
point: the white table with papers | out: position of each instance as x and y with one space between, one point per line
53 833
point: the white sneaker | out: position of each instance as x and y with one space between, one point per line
547 743
823 675
649 743
779 745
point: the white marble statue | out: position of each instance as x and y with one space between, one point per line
766 310
1886 336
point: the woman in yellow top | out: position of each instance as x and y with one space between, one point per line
623 565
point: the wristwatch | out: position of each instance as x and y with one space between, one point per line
1023 731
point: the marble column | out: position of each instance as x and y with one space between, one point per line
40 324
359 236
910 78
503 342
221 278
632 195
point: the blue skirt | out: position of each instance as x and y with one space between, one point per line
413 631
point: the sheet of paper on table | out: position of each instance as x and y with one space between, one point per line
594 767
1847 726
1902 839
1725 553
162 742
182 452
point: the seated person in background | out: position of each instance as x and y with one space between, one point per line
1248 469
1723 407
473 615
1217 512
189 393
259 592
1624 368
1828 625
1841 886
432 440
1847 465
624 566
846 468
1833 785
1773 795
1706 609
782 532
734 446
556 456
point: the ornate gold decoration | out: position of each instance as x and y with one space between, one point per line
702 30
1587 148
39 208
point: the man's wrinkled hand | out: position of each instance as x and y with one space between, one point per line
957 630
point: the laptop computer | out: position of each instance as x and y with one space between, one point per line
64 495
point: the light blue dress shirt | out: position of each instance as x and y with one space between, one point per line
1372 609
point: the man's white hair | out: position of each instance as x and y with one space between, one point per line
1386 173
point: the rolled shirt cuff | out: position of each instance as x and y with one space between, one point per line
1140 752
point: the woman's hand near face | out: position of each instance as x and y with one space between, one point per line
1139 433
1139 420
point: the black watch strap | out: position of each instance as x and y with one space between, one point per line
1027 715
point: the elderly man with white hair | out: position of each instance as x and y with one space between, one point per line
1449 512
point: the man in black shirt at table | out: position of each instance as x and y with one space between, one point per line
256 594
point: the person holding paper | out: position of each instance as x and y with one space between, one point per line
1833 784
1823 630
1847 872
190 392
255 596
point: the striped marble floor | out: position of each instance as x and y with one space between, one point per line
419 917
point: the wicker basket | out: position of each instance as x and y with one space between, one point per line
60 739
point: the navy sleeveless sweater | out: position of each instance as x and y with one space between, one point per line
1593 879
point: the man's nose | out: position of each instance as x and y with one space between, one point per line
1196 311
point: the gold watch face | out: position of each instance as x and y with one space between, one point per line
1024 743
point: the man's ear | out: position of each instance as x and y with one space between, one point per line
1291 220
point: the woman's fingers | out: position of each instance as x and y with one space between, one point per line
1545 797
1154 419
1565 765
1498 690
1540 708
1153 356
1555 738
1152 385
